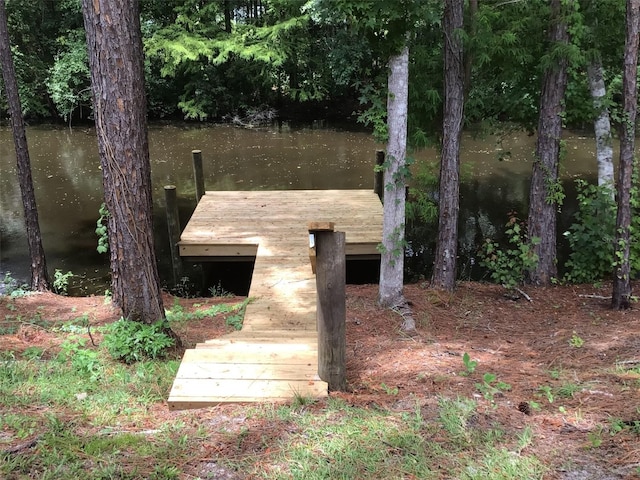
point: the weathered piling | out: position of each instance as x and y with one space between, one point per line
331 304
198 173
173 225
378 176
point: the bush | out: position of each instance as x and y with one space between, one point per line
508 266
591 236
131 341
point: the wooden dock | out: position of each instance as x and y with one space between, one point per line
274 356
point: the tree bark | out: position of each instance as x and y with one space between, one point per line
115 57
621 295
392 257
542 204
444 268
601 124
39 275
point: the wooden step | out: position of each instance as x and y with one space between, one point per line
197 393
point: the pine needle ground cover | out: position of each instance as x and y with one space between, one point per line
493 387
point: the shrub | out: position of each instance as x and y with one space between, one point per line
508 266
591 236
131 341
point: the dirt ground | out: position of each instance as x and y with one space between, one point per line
564 344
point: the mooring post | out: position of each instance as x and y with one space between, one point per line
173 225
378 176
198 173
331 304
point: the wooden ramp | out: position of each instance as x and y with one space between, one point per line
274 356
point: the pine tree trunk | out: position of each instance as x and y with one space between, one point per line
39 276
601 124
542 205
392 257
444 268
115 58
621 295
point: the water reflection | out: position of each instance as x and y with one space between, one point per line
68 180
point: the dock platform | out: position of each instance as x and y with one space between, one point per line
274 356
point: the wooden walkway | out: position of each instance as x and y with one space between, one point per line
274 356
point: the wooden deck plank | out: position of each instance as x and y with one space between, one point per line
274 356
205 371
214 392
216 355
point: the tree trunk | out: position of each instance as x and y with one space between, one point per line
227 16
39 276
444 268
543 203
392 258
115 58
621 275
601 124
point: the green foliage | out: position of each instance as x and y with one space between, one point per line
469 365
591 235
491 386
101 229
508 266
85 361
12 288
61 281
69 82
131 341
576 341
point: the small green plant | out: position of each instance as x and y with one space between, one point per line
576 341
469 365
217 291
509 266
617 425
389 390
235 321
61 281
84 360
547 392
12 288
491 386
595 437
101 229
131 341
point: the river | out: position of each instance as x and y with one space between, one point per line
68 181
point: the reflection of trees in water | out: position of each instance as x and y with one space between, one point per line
485 204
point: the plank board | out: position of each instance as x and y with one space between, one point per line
274 356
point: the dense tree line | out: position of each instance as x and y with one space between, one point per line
208 60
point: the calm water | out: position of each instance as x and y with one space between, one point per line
68 181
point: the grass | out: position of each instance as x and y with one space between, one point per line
81 414
86 422
84 425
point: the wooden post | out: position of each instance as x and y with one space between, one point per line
173 225
378 177
198 173
330 283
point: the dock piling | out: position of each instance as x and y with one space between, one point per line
198 173
331 308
